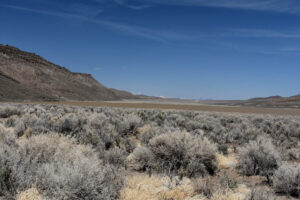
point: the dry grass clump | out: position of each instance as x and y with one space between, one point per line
142 187
226 162
262 193
144 129
30 194
259 157
241 193
205 186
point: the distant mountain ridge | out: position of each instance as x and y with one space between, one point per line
27 76
277 98
267 98
272 101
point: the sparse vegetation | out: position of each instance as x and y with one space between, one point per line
181 154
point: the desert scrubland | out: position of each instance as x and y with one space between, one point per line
65 152
186 105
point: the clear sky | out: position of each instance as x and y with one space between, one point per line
196 49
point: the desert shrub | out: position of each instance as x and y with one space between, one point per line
234 134
114 133
259 157
98 121
19 127
183 154
169 151
191 125
140 159
223 148
7 111
7 137
128 144
287 180
38 124
62 169
176 120
116 156
69 123
142 114
240 134
10 122
201 157
215 132
89 137
93 139
129 124
158 117
7 154
262 194
110 140
155 130
292 154
5 172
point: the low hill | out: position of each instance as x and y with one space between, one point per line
27 76
272 102
271 98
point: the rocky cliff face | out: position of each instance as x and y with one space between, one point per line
44 80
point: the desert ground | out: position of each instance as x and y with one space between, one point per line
210 106
148 150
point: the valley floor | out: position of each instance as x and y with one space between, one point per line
166 105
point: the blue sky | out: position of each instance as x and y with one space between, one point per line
196 49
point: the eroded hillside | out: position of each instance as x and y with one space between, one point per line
43 80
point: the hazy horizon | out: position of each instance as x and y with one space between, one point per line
193 49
